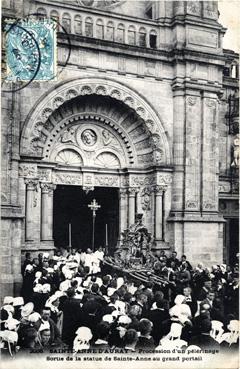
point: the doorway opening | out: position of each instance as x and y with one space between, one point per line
70 206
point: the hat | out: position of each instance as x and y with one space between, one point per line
120 282
175 330
65 285
58 294
18 301
29 268
8 300
124 319
84 333
179 299
12 324
45 255
38 274
110 291
8 308
45 325
46 288
115 313
27 309
50 270
108 318
38 288
34 317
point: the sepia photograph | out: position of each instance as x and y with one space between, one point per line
120 184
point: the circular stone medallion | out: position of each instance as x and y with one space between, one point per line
89 137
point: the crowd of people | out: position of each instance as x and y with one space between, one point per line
71 301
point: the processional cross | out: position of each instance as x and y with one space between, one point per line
94 206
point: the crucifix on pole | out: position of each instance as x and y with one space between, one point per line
94 207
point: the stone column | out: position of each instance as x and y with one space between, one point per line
47 211
122 210
131 205
31 187
158 191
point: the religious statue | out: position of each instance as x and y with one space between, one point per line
107 138
235 162
136 243
68 135
89 137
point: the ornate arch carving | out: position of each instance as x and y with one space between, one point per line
32 145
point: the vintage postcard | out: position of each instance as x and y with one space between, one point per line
120 184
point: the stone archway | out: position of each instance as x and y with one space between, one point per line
94 133
36 128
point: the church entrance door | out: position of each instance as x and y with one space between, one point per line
70 206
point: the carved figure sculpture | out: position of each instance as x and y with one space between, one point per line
235 162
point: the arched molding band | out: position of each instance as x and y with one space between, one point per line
90 86
117 131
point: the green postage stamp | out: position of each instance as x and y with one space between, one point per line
31 50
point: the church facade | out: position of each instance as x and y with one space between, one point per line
143 117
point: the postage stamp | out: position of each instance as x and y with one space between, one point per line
31 51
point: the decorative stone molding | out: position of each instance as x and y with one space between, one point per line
112 137
211 103
191 100
71 89
44 175
194 7
142 180
28 170
191 204
163 179
224 187
106 181
67 178
208 205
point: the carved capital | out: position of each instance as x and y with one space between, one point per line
122 192
32 184
132 191
47 187
159 190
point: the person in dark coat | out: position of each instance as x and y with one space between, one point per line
27 260
130 341
189 300
101 344
203 339
202 293
71 317
232 297
92 314
157 317
55 337
145 340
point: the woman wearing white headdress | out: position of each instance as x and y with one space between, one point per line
82 339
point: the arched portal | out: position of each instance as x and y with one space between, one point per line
94 134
